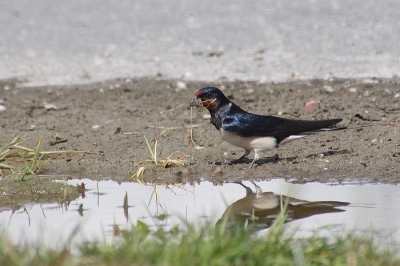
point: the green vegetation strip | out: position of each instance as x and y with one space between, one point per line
233 246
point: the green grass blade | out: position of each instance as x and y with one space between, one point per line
5 166
150 150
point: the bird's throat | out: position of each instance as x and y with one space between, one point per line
210 104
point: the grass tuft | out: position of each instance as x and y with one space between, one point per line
23 161
152 149
165 163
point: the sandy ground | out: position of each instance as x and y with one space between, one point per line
110 120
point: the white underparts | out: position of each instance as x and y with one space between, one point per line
249 143
255 144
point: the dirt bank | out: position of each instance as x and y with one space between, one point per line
110 120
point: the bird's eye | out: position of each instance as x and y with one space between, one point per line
206 96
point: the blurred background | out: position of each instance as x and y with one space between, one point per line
64 42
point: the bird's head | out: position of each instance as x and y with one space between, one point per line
210 97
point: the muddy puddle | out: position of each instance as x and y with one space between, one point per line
106 207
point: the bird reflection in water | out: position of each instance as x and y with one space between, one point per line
258 210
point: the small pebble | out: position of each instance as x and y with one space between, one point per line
206 116
219 171
2 108
181 86
96 126
328 89
310 106
353 90
388 91
49 106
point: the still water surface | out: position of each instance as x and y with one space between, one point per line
313 207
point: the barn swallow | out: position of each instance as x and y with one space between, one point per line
262 208
254 132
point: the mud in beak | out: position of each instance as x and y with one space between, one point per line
196 102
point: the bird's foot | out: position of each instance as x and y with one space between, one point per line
251 164
256 157
241 159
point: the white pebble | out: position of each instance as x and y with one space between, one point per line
180 86
328 88
49 106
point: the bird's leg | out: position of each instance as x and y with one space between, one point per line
248 190
256 157
258 190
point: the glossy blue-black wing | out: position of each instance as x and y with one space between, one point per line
247 125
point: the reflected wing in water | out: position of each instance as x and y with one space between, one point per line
259 209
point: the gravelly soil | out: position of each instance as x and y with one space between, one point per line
97 118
